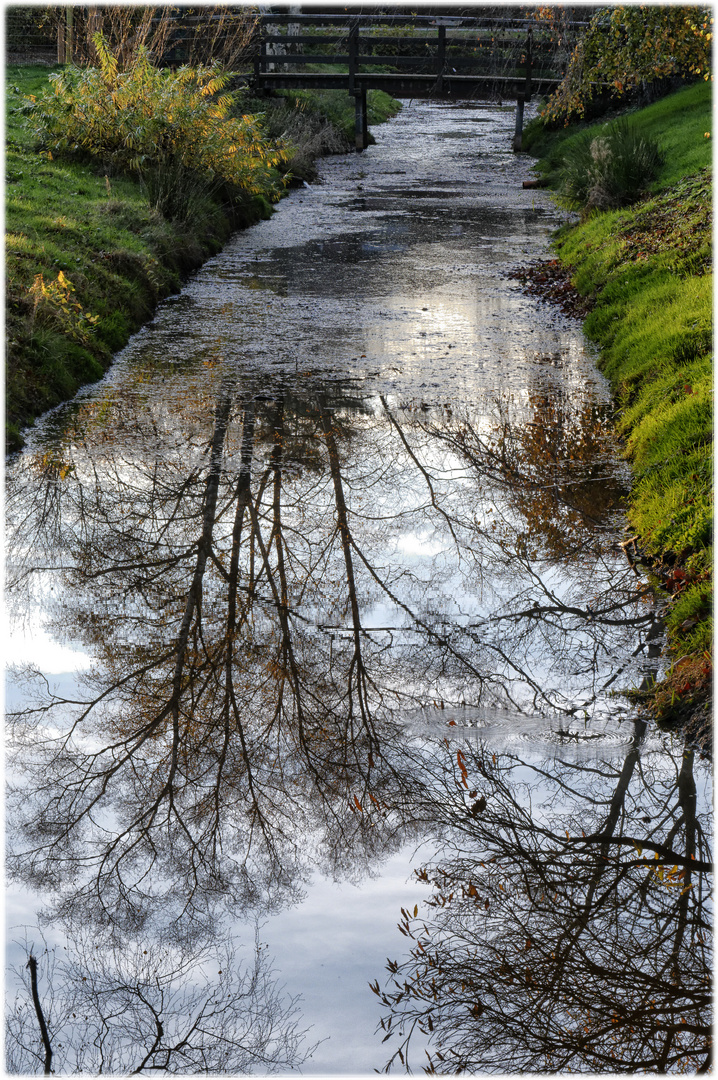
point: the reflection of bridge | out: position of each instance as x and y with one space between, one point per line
424 56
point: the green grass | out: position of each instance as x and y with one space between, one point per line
653 320
338 107
677 122
119 256
648 269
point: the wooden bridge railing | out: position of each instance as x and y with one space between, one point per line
448 57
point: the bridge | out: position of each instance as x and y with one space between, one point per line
408 56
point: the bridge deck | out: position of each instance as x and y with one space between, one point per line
410 85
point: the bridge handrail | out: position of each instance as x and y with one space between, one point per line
453 22
446 52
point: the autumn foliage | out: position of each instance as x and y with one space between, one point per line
626 47
144 118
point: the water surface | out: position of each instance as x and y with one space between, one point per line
335 547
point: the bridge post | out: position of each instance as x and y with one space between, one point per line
361 129
518 133
521 98
360 118
259 62
353 54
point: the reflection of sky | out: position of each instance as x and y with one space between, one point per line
336 283
326 951
331 947
34 645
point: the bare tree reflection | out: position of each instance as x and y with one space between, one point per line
569 925
554 461
228 582
560 616
221 731
265 596
112 1007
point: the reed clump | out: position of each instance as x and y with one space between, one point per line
610 167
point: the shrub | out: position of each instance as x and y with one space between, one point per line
53 302
178 193
610 168
632 46
148 121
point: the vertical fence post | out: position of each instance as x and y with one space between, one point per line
518 133
353 53
440 59
69 34
521 98
360 119
529 61
259 62
360 123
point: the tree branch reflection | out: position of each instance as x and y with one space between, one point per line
569 925
217 735
265 597
134 1007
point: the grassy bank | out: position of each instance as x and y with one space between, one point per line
647 270
87 259
679 122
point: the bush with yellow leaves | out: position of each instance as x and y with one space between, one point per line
626 47
54 303
150 121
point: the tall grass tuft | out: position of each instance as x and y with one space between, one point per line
609 169
178 193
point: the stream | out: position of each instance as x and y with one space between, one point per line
320 621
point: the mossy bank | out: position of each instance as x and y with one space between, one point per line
88 259
647 271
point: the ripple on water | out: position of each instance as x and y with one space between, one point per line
510 731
